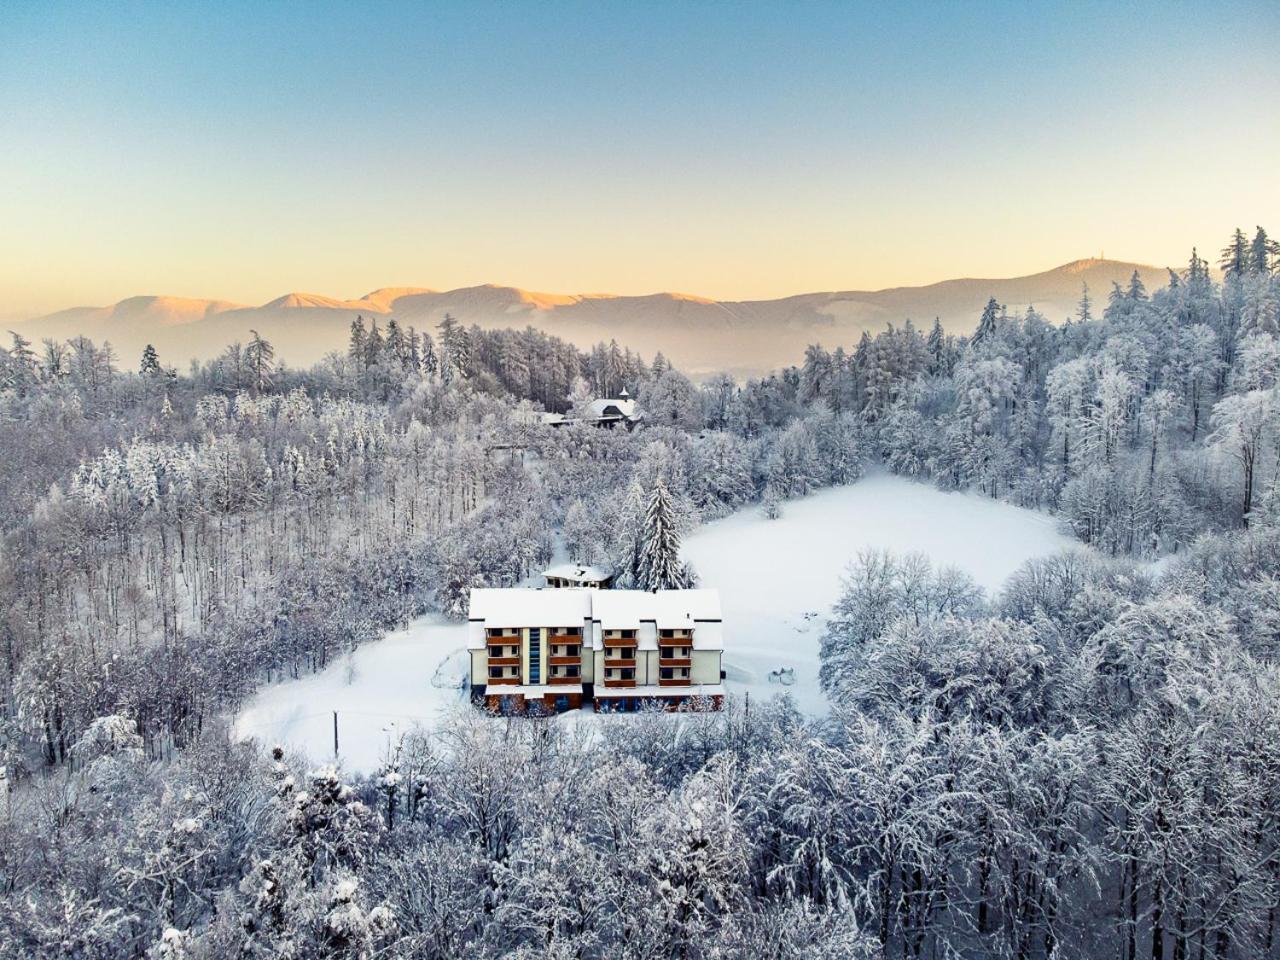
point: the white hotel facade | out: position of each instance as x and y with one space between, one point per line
557 649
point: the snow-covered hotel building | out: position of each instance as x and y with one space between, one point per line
614 649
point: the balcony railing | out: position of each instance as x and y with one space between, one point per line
501 681
675 662
619 683
554 680
504 661
675 682
565 661
619 663
618 641
564 638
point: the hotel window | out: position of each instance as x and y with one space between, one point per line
571 650
666 673
535 656
628 674
495 673
571 671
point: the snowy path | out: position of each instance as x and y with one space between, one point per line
777 579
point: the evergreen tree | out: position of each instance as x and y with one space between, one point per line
396 346
937 346
628 536
1262 253
373 346
1137 289
660 567
259 356
1084 310
413 351
1235 255
356 345
1198 274
987 324
150 361
430 362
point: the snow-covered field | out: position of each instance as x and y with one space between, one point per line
777 579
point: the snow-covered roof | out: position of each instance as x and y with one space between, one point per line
579 572
520 607
600 409
669 609
645 611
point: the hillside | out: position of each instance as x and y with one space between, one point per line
699 334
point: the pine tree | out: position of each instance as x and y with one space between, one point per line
1197 274
1084 310
412 351
1262 253
1137 289
260 357
660 567
430 363
356 345
373 346
987 324
396 348
628 536
448 328
150 361
937 345
1235 255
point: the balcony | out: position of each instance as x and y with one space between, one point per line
619 663
614 641
675 682
504 661
619 683
564 661
559 680
675 661
564 638
503 681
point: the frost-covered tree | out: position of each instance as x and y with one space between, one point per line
659 565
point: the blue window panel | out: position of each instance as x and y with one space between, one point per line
535 655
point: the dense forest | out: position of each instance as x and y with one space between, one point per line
1086 764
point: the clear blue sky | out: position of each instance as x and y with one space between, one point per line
239 150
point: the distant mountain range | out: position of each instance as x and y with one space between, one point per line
697 334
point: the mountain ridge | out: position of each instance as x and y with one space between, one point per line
697 333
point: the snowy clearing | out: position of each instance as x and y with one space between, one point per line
777 580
